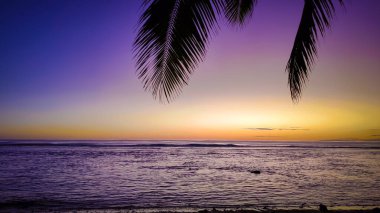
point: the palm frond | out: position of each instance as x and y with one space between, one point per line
171 41
316 17
238 11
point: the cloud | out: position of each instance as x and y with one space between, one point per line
269 129
294 128
260 129
352 139
341 139
375 135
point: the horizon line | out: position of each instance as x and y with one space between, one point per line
195 140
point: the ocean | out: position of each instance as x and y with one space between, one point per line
61 175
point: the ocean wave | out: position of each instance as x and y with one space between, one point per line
25 203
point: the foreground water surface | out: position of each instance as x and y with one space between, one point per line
157 174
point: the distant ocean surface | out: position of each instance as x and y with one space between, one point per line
187 174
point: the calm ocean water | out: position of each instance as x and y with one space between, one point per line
180 174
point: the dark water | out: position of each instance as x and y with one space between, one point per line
135 174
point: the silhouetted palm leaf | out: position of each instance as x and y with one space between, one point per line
173 36
316 17
238 11
172 40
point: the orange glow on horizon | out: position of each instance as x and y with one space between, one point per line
273 121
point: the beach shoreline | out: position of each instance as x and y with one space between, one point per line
347 209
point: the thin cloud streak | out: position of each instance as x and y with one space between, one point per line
281 129
260 129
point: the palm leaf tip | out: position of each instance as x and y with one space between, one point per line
238 11
316 17
171 41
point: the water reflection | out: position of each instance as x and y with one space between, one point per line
182 176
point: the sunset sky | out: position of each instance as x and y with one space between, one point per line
67 72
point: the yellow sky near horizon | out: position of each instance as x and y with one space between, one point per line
271 120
